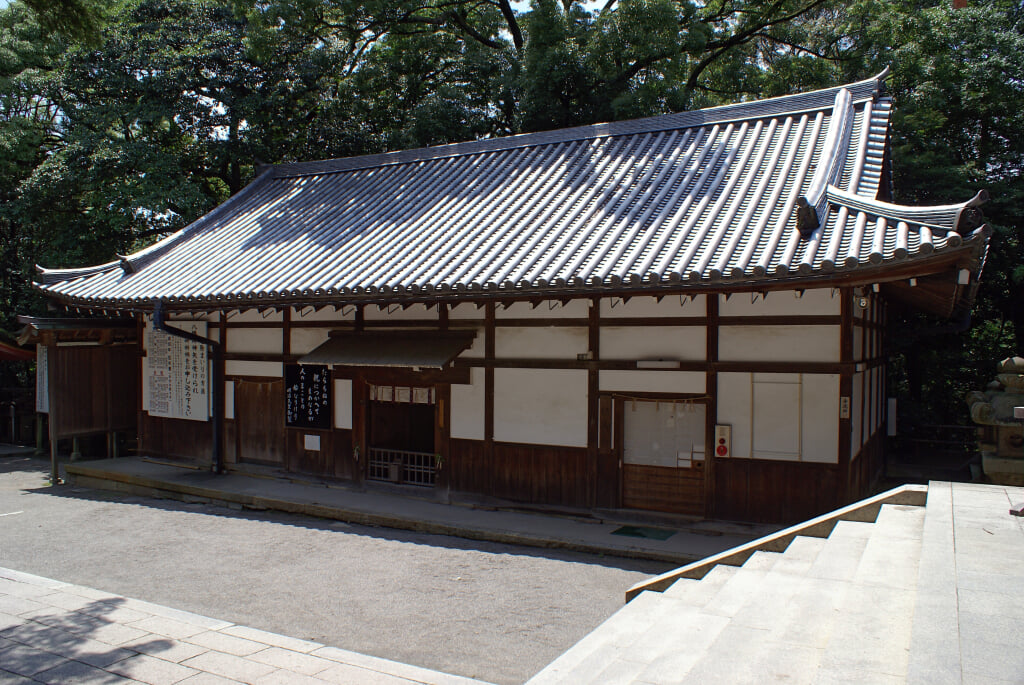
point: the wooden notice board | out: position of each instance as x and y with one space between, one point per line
307 393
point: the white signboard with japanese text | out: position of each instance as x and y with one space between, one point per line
178 372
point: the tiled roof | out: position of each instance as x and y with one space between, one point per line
688 199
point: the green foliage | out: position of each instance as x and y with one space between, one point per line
122 121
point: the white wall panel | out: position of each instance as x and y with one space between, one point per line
396 313
229 399
466 310
683 382
548 309
820 418
468 407
255 315
777 430
816 302
541 406
540 343
858 343
670 305
781 416
240 368
779 343
305 340
342 403
856 415
476 350
302 314
255 340
687 343
734 402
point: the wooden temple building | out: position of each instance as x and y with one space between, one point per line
684 313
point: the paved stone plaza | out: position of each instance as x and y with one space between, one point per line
54 632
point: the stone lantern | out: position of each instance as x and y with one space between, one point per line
1000 434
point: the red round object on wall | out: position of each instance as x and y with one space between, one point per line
721 450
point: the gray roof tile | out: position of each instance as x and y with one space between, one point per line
692 198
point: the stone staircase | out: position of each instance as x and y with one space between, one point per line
832 600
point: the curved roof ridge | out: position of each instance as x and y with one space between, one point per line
942 217
868 89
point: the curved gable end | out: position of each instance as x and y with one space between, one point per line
782 193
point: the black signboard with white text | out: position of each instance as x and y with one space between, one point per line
307 396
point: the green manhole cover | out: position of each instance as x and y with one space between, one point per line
644 532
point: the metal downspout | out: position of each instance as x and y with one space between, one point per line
217 386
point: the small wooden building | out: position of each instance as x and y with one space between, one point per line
684 313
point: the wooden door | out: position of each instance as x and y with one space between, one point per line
259 422
663 455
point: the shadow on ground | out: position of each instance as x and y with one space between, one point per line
29 465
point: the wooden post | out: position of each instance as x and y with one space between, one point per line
51 385
711 305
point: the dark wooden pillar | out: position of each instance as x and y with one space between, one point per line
846 334
711 390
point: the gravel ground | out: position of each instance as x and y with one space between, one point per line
489 611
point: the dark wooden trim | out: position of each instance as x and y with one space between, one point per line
252 379
286 333
699 398
712 304
569 322
261 357
360 396
399 376
629 365
593 398
778 320
845 432
489 340
442 317
360 322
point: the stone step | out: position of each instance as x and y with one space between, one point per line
872 641
892 554
840 556
762 561
700 592
606 644
800 555
935 653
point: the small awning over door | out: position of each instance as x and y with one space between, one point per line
394 349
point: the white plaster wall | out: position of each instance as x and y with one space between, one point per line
548 309
240 368
543 343
466 310
820 301
687 343
820 418
477 349
255 340
779 343
342 403
229 399
305 340
781 416
670 305
856 415
858 343
255 315
734 403
325 314
776 426
468 407
396 313
683 382
541 406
